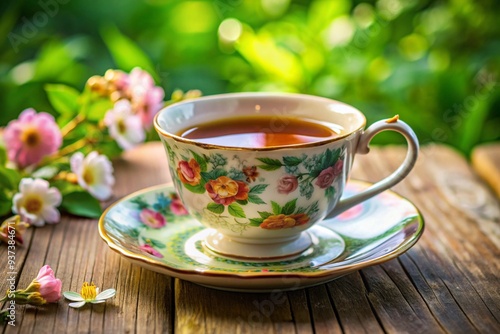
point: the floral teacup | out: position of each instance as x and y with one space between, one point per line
260 201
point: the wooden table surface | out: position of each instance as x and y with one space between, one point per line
449 282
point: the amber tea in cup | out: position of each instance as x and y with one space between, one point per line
261 131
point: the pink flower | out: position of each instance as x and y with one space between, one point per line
189 172
287 184
31 137
50 286
152 218
45 288
178 208
146 98
150 250
338 167
328 175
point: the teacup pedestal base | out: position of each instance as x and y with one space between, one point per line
281 250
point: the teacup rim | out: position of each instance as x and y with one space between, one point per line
177 138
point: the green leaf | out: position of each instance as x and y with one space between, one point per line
3 156
289 207
255 199
292 161
264 214
213 174
199 159
256 221
66 188
156 243
9 178
140 202
326 159
81 204
242 202
98 109
269 168
215 208
236 210
330 192
276 208
5 204
258 189
270 164
198 189
125 52
63 98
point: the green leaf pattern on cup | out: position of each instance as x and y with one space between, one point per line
233 186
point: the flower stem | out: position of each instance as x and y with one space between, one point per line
66 150
81 116
71 125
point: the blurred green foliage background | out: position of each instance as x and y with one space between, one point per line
435 63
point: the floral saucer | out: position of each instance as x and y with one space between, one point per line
151 228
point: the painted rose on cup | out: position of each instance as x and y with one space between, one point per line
225 191
276 222
189 172
287 184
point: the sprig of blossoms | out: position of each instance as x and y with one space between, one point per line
45 169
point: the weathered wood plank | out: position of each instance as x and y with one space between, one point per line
324 319
466 279
300 311
205 310
349 296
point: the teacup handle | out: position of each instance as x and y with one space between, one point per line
393 124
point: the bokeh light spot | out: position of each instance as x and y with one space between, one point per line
230 30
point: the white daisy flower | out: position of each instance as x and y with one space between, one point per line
124 126
36 202
94 173
88 294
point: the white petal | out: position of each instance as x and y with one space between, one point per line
39 186
76 162
31 218
25 185
51 214
74 296
100 191
53 197
15 202
106 294
77 304
97 301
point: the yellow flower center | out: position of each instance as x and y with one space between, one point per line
225 187
33 204
121 126
89 291
88 176
30 137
